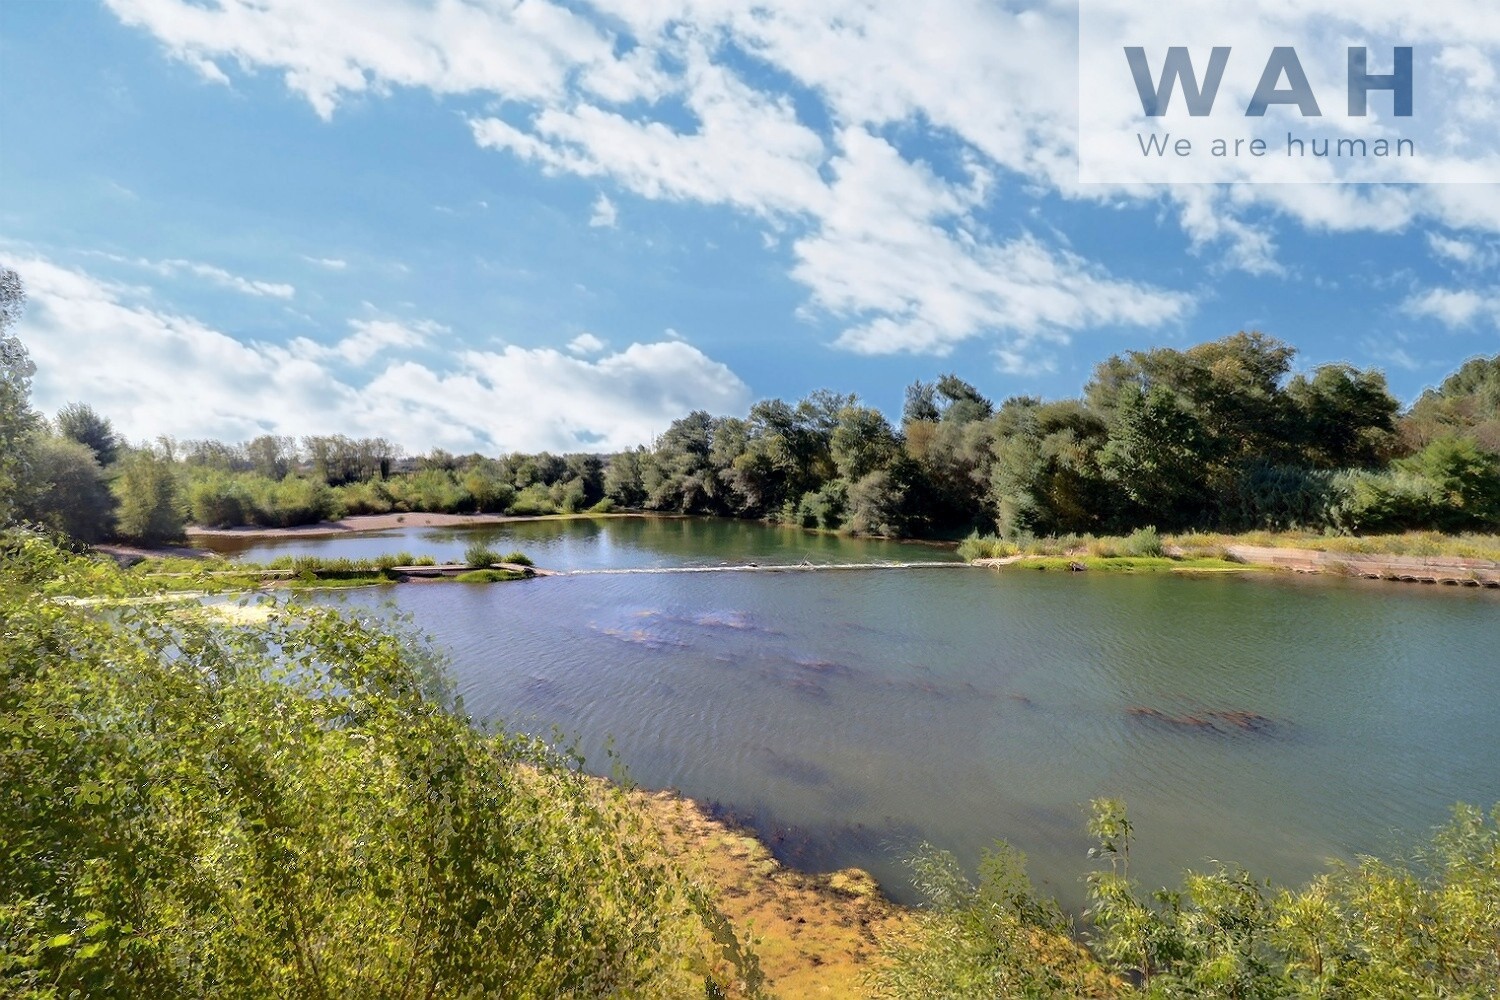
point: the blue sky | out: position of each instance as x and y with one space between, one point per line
561 225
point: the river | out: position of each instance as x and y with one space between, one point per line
1265 719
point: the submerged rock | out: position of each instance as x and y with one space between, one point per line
1218 721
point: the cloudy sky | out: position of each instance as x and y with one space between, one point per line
481 224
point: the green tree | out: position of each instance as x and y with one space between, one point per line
862 442
70 494
1466 476
79 422
18 421
1343 417
150 509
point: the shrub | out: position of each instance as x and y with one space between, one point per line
191 809
533 500
1143 542
478 554
1372 929
605 506
978 546
517 558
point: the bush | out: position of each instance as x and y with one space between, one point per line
605 506
532 501
217 500
978 546
191 810
1143 542
517 558
480 555
150 506
1373 929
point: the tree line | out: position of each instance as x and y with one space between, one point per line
1222 436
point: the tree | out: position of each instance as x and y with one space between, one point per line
79 422
1343 417
71 495
1467 478
1157 454
18 421
1046 477
1466 404
271 456
862 442
150 510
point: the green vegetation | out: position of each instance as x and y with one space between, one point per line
1220 437
219 575
1423 927
489 576
290 805
1416 543
479 555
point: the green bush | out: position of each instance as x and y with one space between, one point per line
480 555
532 501
518 558
978 546
1143 542
191 809
1420 928
605 506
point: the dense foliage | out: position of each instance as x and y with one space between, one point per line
194 804
1428 927
1222 436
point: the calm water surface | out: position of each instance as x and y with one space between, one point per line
851 716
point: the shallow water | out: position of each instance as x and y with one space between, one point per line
853 715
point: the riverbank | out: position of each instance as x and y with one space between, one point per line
813 935
1444 570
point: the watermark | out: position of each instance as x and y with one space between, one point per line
1201 91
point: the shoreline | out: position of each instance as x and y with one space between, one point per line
814 934
1450 571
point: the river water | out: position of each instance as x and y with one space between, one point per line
1263 719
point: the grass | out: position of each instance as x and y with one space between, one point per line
1146 542
1415 543
217 575
489 576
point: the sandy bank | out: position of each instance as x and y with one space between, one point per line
814 935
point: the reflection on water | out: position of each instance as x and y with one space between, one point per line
603 543
851 716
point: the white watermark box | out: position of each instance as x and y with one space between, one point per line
1272 92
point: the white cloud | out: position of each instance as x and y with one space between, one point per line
331 263
605 215
156 372
333 49
369 339
1454 307
215 275
650 96
585 343
887 244
1468 254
